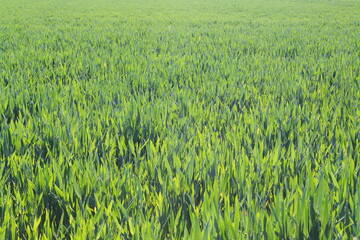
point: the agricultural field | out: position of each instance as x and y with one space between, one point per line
185 119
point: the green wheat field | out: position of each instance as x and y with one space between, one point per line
188 119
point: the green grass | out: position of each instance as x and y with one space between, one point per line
179 119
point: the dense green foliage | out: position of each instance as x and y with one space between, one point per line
171 120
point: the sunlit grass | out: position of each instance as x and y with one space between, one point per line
179 120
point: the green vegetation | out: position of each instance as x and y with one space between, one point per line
179 119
